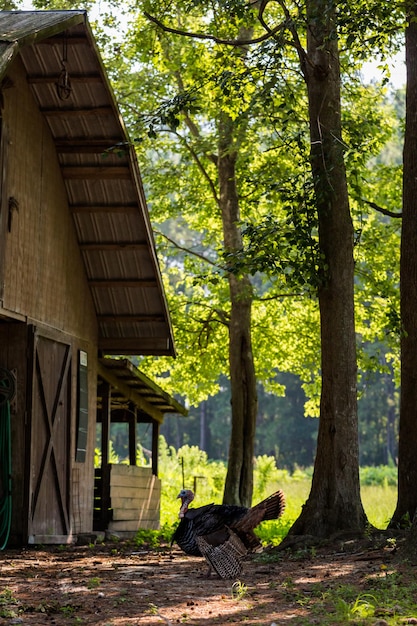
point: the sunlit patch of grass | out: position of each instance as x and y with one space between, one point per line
378 492
389 599
379 503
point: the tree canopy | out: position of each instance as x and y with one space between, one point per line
307 237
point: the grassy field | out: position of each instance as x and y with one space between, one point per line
190 467
379 502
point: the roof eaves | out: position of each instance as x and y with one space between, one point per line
23 32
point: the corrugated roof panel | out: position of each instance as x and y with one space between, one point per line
103 226
105 194
117 265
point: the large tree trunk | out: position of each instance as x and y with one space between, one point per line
239 479
407 466
334 502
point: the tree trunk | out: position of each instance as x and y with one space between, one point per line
239 479
407 466
334 502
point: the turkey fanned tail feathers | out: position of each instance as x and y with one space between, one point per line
225 558
223 534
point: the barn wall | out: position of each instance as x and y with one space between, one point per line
44 282
44 277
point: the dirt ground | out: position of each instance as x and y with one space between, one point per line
119 584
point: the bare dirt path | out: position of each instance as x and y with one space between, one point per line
122 585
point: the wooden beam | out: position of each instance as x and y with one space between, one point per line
155 442
105 423
77 112
82 172
88 146
140 317
46 79
132 435
110 246
104 489
104 208
132 374
129 393
152 346
122 283
67 39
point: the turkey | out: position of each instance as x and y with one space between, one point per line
223 533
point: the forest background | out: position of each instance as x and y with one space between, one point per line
285 329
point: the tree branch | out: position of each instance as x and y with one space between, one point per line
187 250
191 125
202 168
302 55
380 209
228 42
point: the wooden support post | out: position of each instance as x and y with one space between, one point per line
105 443
155 438
132 434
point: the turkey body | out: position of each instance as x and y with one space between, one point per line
205 520
222 533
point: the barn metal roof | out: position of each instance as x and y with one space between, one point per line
101 175
130 385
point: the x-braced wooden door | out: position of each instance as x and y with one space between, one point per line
49 481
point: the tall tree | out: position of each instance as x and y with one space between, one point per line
334 502
218 131
407 468
239 479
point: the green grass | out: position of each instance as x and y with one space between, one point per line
379 503
378 492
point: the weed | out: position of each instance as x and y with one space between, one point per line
153 609
6 599
94 582
239 590
154 538
67 610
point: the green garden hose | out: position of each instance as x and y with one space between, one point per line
5 464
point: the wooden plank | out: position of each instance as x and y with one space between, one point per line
129 492
137 345
44 79
122 469
123 497
122 283
44 270
109 246
119 528
77 112
134 503
134 525
128 318
135 515
50 539
132 480
82 172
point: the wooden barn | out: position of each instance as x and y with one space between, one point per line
79 283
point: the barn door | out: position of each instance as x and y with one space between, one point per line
49 484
